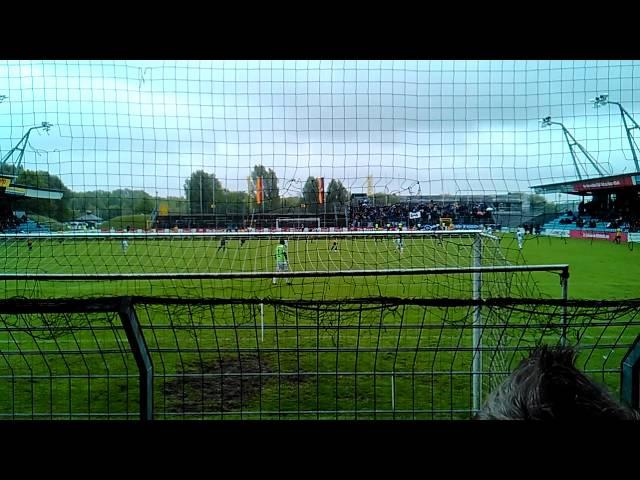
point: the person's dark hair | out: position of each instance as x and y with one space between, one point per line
548 386
282 241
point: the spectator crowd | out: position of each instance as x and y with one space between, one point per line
623 212
8 219
366 214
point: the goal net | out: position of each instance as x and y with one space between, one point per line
317 181
299 224
320 265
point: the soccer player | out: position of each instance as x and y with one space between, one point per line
30 244
282 260
400 244
242 240
125 246
223 244
520 237
618 235
334 246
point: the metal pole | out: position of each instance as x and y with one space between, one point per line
213 201
201 209
262 321
573 154
630 138
477 325
630 376
393 392
564 281
141 355
624 114
268 274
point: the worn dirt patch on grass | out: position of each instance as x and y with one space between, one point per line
221 385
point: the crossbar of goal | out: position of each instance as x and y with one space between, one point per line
562 269
246 235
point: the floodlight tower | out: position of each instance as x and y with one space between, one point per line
21 145
602 100
572 142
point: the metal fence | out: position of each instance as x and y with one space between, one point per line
384 358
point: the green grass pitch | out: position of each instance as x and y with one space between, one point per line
403 364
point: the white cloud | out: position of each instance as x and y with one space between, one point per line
443 125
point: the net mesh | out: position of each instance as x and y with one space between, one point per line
366 359
179 181
386 261
243 145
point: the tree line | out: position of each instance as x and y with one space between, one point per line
204 194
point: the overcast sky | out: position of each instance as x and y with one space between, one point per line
425 127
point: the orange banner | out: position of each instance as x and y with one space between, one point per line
320 190
259 190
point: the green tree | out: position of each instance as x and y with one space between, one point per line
235 203
199 189
291 205
57 209
176 205
144 203
337 195
108 205
10 169
539 204
270 187
310 194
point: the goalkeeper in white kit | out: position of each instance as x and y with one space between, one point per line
520 237
400 240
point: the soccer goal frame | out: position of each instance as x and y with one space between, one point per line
302 220
476 270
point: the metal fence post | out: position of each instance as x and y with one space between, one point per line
630 376
477 325
564 281
141 354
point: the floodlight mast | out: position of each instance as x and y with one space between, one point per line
602 100
21 145
572 142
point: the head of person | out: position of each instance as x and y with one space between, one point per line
282 241
548 386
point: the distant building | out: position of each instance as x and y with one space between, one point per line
91 220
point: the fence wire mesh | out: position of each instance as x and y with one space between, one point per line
113 172
278 359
